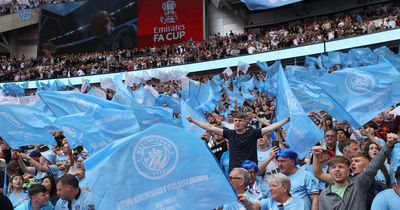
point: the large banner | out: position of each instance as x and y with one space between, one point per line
91 25
169 21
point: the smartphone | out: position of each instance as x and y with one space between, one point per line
275 144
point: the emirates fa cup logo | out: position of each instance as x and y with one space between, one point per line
169 12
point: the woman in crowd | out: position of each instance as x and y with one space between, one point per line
385 175
50 184
16 193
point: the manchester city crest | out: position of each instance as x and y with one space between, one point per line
155 157
359 84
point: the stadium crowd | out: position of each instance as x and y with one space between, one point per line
348 169
9 7
215 47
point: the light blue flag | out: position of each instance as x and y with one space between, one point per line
312 98
122 94
217 79
361 93
187 110
61 86
39 104
139 94
205 98
192 94
326 62
363 56
266 4
161 161
302 134
335 58
65 103
53 87
12 89
250 84
272 78
294 71
216 88
310 61
387 55
70 85
172 102
247 94
149 97
25 85
23 125
99 128
146 115
149 115
309 100
263 65
238 95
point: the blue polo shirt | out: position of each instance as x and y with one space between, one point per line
291 204
386 200
303 183
82 202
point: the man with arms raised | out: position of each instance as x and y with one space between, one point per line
242 140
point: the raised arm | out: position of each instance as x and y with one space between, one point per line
248 204
206 126
34 163
317 168
370 171
24 168
263 165
274 126
371 138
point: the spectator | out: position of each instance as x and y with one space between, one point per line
303 185
5 202
17 194
239 179
390 198
50 184
242 140
281 197
38 199
40 169
345 193
71 196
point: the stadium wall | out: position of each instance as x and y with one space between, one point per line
223 21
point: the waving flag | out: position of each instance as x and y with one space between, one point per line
302 134
272 77
66 103
363 56
97 129
263 65
361 93
388 56
266 4
161 161
23 125
187 110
